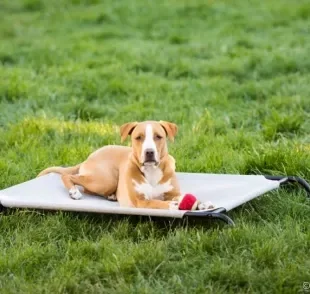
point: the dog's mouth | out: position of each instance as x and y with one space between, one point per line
150 162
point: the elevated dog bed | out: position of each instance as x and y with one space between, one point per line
225 191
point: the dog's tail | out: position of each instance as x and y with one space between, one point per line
60 170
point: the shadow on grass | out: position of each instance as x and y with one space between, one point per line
164 225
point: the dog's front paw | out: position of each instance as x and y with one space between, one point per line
176 198
205 206
173 205
75 194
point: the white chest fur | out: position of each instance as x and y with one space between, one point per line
152 174
151 189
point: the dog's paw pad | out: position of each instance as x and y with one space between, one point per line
75 194
112 197
173 205
206 206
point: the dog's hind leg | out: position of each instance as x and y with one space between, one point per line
105 185
70 181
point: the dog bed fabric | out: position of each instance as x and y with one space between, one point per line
225 191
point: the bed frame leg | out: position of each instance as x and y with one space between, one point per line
1 208
290 179
218 214
223 217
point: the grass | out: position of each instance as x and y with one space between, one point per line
234 75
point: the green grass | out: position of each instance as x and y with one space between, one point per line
234 75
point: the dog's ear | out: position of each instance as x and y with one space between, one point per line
126 130
170 128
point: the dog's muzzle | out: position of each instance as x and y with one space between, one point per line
149 156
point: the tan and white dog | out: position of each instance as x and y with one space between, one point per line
141 176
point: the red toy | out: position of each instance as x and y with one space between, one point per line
190 202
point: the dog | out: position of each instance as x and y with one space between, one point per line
141 176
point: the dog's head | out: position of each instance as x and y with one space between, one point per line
149 139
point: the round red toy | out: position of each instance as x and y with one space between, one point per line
190 202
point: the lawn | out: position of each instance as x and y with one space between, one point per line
234 76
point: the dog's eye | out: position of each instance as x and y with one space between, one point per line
138 138
158 137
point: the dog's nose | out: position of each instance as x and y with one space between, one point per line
149 154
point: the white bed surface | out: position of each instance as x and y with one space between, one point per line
48 192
